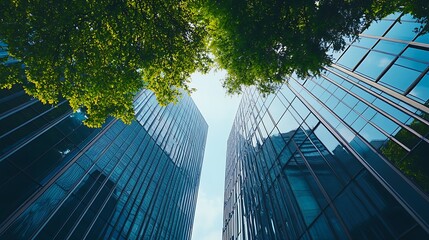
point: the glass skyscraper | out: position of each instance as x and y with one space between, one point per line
62 180
339 156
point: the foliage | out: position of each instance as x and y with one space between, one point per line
260 42
98 53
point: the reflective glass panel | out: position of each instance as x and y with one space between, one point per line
374 64
399 77
389 47
404 31
379 28
352 56
416 53
424 38
421 90
365 42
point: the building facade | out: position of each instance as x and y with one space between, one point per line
62 180
339 156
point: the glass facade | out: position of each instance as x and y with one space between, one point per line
62 180
341 155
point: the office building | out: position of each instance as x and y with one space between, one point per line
343 155
62 180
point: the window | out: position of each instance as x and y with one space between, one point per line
374 64
379 28
399 78
352 56
421 91
390 47
404 30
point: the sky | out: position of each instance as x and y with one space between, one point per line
219 112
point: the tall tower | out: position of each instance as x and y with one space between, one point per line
339 156
62 180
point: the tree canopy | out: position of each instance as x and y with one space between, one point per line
260 42
97 54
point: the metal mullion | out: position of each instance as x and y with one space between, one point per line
102 184
18 108
154 123
324 193
416 81
413 43
381 97
175 192
390 137
12 96
325 160
35 135
373 205
392 93
155 196
30 120
288 195
154 151
123 190
380 179
36 195
114 187
70 192
139 184
275 201
173 128
382 112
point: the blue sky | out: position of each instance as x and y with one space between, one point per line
219 111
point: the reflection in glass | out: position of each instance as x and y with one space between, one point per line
351 57
421 90
399 78
374 64
421 55
379 28
423 38
389 47
365 42
415 164
404 30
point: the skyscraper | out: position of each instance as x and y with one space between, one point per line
62 180
342 155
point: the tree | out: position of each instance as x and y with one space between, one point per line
260 42
98 54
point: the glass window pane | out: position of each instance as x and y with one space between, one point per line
321 229
404 30
287 123
416 53
390 47
399 77
10 198
373 136
379 28
417 66
352 56
421 90
374 64
424 38
365 42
